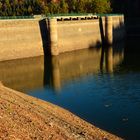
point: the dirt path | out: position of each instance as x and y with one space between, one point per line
23 118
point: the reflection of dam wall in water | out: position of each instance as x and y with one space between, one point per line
22 74
80 63
21 38
32 73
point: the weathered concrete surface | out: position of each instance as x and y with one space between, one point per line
30 37
80 34
20 39
25 117
74 35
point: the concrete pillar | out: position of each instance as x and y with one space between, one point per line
109 59
53 36
56 78
108 30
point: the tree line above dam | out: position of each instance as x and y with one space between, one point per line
32 7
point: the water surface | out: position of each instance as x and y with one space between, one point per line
102 87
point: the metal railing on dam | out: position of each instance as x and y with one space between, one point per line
15 17
78 16
73 16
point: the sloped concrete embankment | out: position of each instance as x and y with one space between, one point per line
25 117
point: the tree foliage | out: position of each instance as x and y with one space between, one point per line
101 6
30 7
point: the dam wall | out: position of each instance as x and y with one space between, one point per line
22 38
80 34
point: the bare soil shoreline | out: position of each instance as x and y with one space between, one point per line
23 117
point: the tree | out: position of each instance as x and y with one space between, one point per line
101 6
63 7
1 13
30 11
81 6
72 4
29 7
53 8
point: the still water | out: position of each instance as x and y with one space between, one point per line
100 86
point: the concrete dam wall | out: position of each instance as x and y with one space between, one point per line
21 38
74 35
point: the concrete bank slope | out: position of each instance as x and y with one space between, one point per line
25 117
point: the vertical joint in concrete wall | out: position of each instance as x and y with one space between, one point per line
108 30
53 36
